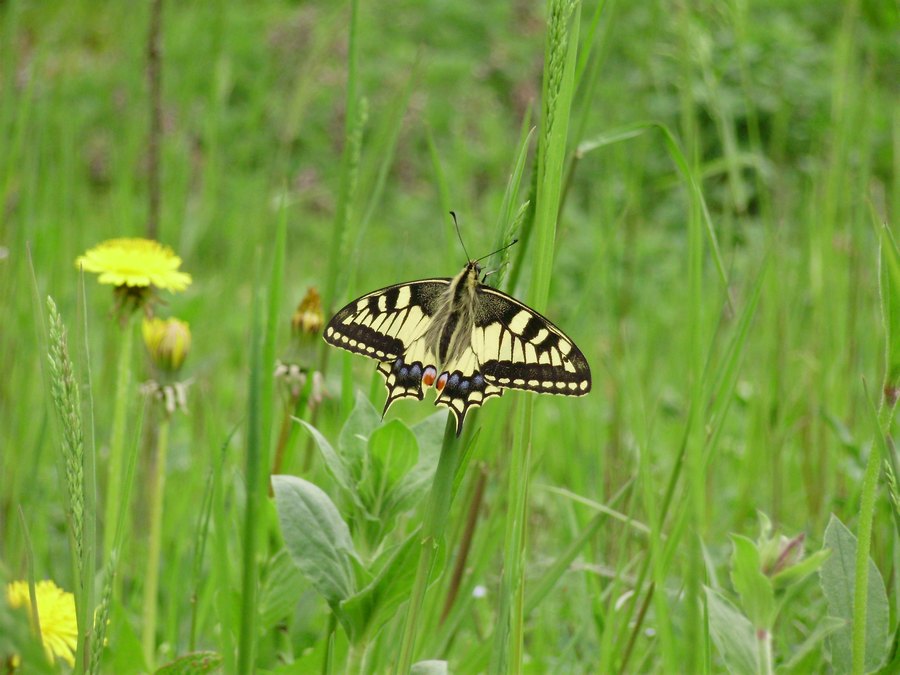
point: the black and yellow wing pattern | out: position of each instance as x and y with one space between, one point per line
468 340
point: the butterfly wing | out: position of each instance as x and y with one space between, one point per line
518 348
464 387
388 325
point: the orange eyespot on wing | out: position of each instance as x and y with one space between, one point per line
442 380
429 375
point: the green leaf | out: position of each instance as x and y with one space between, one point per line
837 578
367 611
732 633
280 592
394 449
429 668
411 488
334 463
316 537
196 663
754 587
799 571
354 438
811 644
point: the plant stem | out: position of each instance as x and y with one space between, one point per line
432 531
151 582
864 541
466 543
764 652
154 71
117 439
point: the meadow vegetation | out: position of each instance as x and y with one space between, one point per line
706 196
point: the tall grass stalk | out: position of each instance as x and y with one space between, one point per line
259 426
67 401
253 469
349 172
29 575
863 546
431 534
89 488
558 89
151 578
114 469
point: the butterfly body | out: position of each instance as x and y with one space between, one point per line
468 340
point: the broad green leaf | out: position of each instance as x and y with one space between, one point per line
813 643
196 663
412 487
334 463
429 668
754 587
732 634
316 537
837 579
430 435
367 611
395 449
281 589
354 437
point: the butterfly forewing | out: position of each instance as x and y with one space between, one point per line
520 349
384 323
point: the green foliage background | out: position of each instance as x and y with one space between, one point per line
787 114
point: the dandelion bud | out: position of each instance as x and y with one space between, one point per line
168 341
308 319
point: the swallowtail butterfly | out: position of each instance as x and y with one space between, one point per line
467 339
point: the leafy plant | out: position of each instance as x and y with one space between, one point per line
766 574
381 471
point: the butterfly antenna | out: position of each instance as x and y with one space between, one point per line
499 250
459 235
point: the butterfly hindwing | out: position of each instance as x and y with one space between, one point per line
518 348
465 387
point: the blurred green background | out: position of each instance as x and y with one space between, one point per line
786 111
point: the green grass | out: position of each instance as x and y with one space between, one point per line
725 178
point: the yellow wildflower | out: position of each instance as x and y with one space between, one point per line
168 341
56 615
135 263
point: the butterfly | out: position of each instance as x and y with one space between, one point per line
467 339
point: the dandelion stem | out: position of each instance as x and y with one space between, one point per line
432 531
151 582
117 439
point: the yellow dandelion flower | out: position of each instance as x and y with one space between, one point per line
135 263
168 341
56 613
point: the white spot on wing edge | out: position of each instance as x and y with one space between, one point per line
541 334
403 296
519 321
